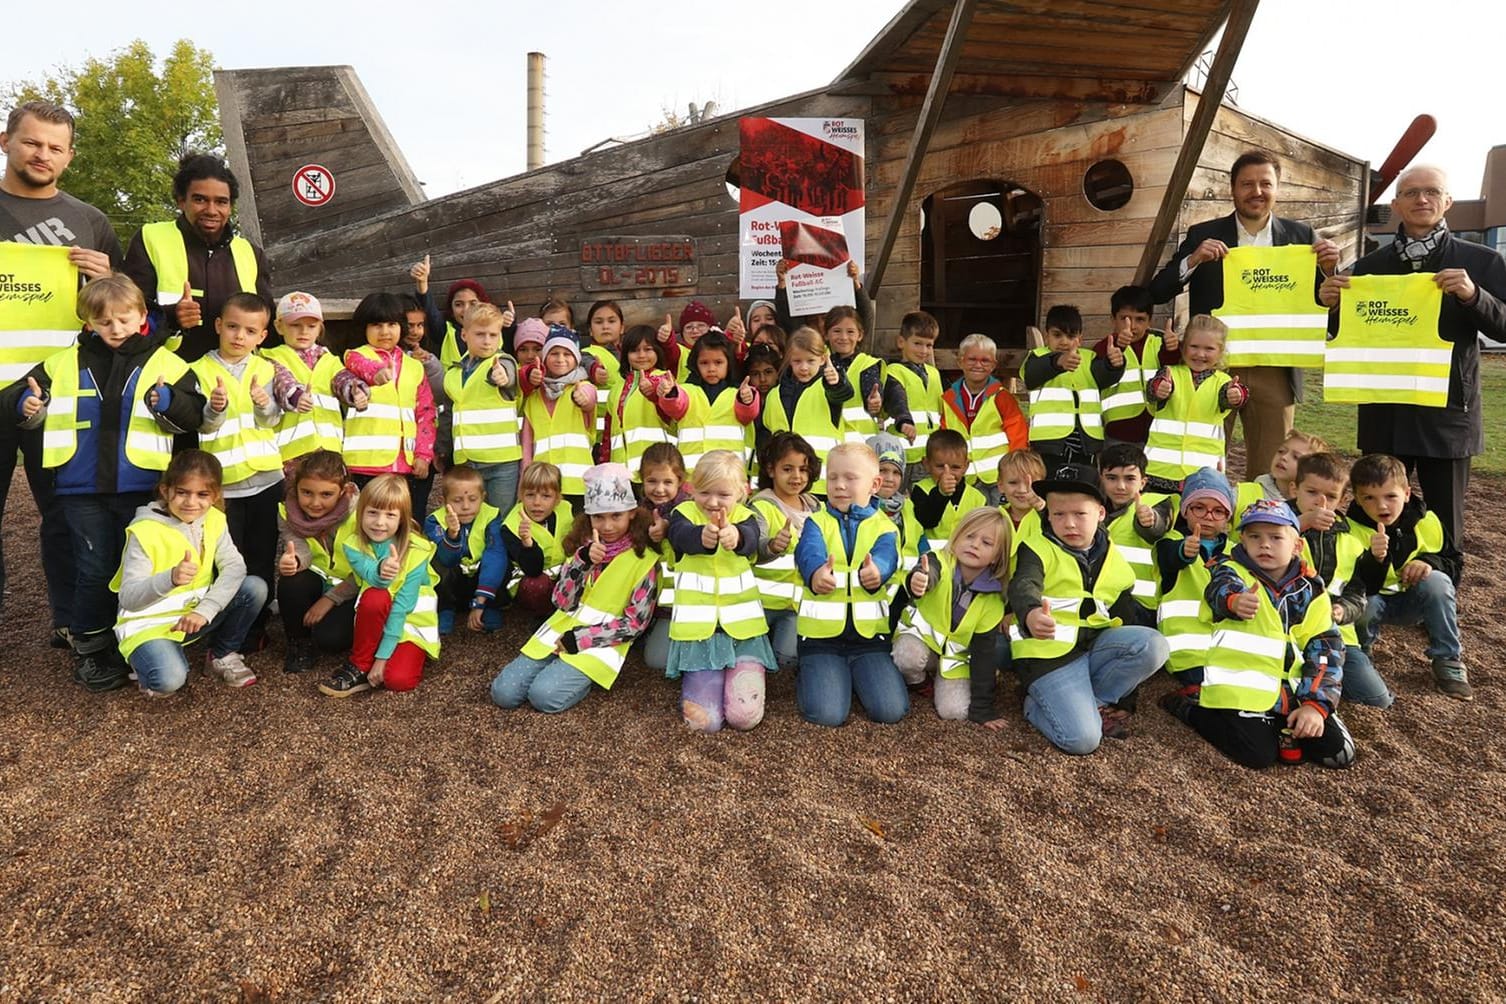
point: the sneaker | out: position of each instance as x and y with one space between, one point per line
300 657
60 638
1179 703
149 692
1452 679
347 680
1115 721
232 668
446 622
97 674
491 619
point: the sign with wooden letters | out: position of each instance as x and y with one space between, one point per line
612 263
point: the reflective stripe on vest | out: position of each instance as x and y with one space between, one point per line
1249 660
707 426
1429 534
717 590
1124 531
924 398
1387 350
1187 432
1270 309
562 438
779 586
930 617
300 433
163 243
421 626
147 445
1072 607
33 329
332 566
636 424
165 545
1066 401
938 535
240 445
603 599
487 429
374 438
1126 399
986 437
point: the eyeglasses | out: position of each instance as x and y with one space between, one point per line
1417 193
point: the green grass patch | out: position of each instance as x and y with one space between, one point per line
1336 422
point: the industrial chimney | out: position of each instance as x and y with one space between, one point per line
535 110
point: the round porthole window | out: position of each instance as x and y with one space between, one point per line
734 179
1108 185
985 221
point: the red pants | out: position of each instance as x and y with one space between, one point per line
405 666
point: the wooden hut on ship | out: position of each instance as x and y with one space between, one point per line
1068 120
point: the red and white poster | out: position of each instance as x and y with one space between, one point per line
801 186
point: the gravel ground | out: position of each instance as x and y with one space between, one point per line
272 844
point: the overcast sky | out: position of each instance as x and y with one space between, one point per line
449 79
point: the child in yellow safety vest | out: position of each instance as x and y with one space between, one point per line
635 417
937 501
533 533
951 629
310 386
181 580
240 429
1279 484
395 432
397 619
808 398
559 409
468 551
789 466
1071 594
1067 384
714 407
872 395
482 388
314 585
719 639
664 488
846 555
1183 558
913 389
1019 470
1135 521
604 600
1410 569
1188 403
105 412
1275 664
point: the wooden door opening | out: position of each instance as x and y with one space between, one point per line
981 263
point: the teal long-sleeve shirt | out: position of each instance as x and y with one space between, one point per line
367 572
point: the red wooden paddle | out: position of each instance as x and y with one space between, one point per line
1411 143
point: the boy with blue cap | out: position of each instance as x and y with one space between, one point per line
1275 664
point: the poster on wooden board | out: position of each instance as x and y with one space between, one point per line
817 279
799 171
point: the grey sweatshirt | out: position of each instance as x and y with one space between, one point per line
140 588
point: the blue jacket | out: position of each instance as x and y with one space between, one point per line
810 554
448 554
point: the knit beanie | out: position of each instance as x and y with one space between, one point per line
530 330
1208 484
696 311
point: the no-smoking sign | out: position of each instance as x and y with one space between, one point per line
313 185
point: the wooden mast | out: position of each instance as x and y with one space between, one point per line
930 111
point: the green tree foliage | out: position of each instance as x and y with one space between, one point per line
136 118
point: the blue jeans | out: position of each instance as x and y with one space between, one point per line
784 637
1362 683
551 685
98 525
656 645
161 663
501 481
830 672
1429 603
1064 703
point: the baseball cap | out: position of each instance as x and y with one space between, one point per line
298 304
1269 511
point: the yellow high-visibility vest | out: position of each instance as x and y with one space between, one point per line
1187 432
552 544
1073 607
487 429
1066 401
1125 533
422 624
779 585
1126 399
826 616
1273 317
164 245
475 544
389 426
924 398
605 598
165 545
38 293
1388 350
300 433
240 445
717 590
711 426
147 445
857 424
930 619
640 425
1249 660
562 437
812 421
1429 534
333 565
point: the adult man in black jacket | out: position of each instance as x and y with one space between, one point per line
1435 443
1254 182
